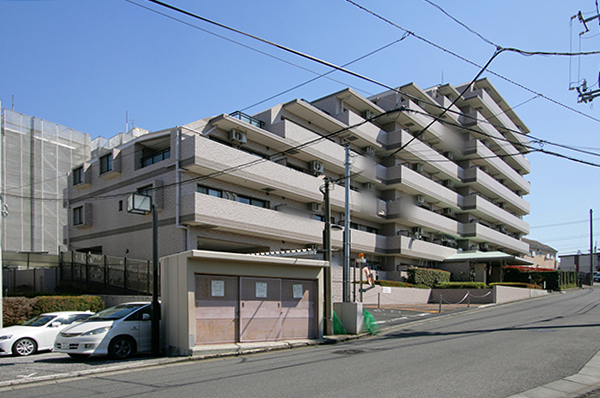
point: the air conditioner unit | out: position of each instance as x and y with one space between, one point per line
501 181
484 246
369 186
419 199
312 246
418 231
449 183
368 114
449 155
484 169
369 151
315 167
447 211
501 228
519 192
418 167
315 207
502 205
237 136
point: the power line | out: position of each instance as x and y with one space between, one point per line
471 62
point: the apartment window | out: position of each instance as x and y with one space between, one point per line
106 163
78 215
120 205
319 217
78 175
210 191
156 157
251 201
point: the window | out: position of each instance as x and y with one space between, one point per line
210 191
156 157
319 217
253 202
106 163
78 175
120 205
78 215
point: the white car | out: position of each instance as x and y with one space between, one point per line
118 331
37 334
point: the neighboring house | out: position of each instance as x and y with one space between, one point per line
543 256
424 192
578 262
37 156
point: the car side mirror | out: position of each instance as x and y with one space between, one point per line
55 324
145 317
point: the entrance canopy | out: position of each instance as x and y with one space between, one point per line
492 258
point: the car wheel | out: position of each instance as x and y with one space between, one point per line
24 347
79 356
121 347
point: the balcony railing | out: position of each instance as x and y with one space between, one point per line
248 119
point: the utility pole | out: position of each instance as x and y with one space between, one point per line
585 95
327 257
591 249
347 229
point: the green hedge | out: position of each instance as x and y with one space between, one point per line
399 284
427 276
461 285
16 310
554 280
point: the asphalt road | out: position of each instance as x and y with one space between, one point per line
493 352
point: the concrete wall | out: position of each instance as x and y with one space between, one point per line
178 287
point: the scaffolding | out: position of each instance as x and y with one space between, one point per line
37 156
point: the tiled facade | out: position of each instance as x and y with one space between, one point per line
251 184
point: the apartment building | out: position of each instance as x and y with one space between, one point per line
542 255
427 187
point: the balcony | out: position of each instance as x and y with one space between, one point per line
207 211
431 159
494 113
502 146
481 154
203 156
368 133
418 249
248 119
414 183
485 234
484 209
488 186
419 216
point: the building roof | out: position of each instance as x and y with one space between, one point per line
539 245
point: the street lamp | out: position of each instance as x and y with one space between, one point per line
142 204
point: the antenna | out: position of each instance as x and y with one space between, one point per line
126 121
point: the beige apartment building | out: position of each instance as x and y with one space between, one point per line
424 190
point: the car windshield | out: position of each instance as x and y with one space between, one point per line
116 312
39 320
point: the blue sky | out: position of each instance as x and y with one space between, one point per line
87 64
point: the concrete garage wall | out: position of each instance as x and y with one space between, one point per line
178 287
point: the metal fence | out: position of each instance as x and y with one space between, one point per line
110 274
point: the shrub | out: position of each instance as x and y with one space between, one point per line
461 285
427 276
67 303
17 310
